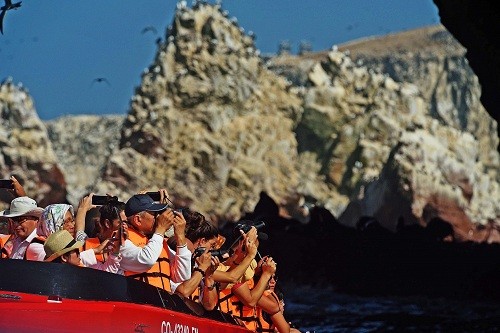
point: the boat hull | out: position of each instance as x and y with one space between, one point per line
51 297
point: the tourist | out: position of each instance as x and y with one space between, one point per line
23 215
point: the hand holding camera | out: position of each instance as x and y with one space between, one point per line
164 221
215 261
101 200
251 247
220 254
204 260
269 266
86 203
13 186
179 227
159 196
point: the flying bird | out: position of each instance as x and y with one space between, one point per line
100 80
149 28
8 6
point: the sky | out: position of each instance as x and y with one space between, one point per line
57 49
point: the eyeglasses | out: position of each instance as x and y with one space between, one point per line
68 221
22 219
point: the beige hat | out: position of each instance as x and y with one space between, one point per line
59 243
22 206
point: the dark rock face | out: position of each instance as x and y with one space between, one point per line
371 261
475 24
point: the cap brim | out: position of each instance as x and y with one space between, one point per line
77 245
156 207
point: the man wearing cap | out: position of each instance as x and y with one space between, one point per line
23 215
144 253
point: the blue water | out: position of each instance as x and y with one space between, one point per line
322 311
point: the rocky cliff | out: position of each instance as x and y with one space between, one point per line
389 127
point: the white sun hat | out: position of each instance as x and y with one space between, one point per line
22 206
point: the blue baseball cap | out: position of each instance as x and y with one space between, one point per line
141 203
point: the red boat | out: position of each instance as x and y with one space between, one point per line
54 297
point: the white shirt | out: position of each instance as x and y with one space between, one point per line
112 263
141 259
180 266
137 259
35 251
19 246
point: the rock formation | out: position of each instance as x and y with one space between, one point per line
26 149
82 158
381 127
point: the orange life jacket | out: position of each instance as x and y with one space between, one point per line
5 250
92 243
225 302
265 322
231 304
159 274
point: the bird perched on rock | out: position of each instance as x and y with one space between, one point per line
8 6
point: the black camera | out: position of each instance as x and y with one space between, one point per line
221 254
198 252
246 225
156 196
101 200
6 183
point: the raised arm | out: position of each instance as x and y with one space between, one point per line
250 297
238 264
83 207
203 262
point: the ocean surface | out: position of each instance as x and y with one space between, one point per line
323 310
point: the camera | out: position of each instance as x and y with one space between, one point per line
156 196
221 254
101 200
6 183
245 226
198 252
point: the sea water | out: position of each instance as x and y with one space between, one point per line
326 311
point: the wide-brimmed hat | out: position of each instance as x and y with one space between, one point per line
22 206
59 243
141 203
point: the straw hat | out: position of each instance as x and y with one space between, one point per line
59 243
22 206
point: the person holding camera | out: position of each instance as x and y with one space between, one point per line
144 253
200 239
57 217
111 222
270 309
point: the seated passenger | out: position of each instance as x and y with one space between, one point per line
23 215
111 217
57 217
270 310
54 217
61 247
